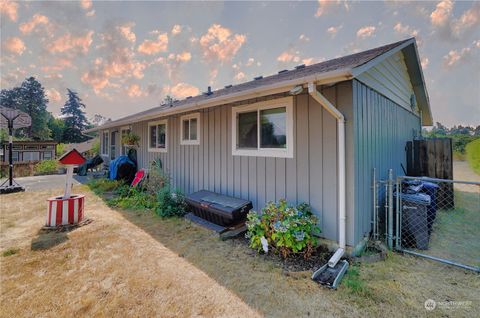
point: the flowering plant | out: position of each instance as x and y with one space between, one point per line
286 229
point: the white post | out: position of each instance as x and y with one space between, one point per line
68 182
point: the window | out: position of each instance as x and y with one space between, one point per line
47 155
15 156
113 142
105 144
123 132
263 129
157 136
31 155
190 129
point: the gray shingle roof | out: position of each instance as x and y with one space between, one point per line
341 63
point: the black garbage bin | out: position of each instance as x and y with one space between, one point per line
431 189
415 220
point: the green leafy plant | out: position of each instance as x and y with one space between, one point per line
135 199
131 139
102 185
157 178
10 252
170 204
46 166
283 228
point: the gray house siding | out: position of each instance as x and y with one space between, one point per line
310 176
381 130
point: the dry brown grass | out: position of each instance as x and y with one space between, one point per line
136 264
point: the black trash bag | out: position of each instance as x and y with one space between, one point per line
126 172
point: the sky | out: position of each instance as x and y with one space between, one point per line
124 57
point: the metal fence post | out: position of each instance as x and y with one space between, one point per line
390 208
397 214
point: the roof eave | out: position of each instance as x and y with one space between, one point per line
320 78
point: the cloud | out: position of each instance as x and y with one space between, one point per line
53 95
250 61
134 90
239 76
454 57
183 57
289 56
219 44
304 38
37 19
9 9
366 32
182 90
176 29
96 79
15 45
332 31
160 44
90 13
325 5
441 14
424 61
86 4
468 20
126 31
61 63
405 30
71 43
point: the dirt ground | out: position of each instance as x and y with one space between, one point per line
128 263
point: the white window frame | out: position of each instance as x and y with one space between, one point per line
123 149
155 123
188 117
108 145
287 152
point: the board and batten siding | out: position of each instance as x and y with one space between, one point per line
381 131
391 79
310 176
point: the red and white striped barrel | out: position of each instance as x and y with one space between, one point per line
65 211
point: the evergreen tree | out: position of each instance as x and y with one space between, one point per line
29 98
75 120
56 126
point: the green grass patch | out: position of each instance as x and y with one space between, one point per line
10 252
354 283
102 185
473 155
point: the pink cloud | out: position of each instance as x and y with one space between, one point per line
289 56
366 32
304 38
9 9
454 57
441 14
219 44
332 31
15 45
325 5
177 29
425 61
96 79
469 19
86 4
182 90
36 20
68 42
53 95
126 31
150 47
239 76
134 90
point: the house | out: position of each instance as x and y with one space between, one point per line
312 134
28 150
85 148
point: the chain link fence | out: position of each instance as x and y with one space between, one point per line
431 218
439 220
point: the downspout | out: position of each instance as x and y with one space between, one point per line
316 95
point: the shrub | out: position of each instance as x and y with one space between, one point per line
130 139
283 228
473 155
170 203
46 166
135 199
60 149
157 178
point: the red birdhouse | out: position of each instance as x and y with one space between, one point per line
73 157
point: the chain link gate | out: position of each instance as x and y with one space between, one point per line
436 219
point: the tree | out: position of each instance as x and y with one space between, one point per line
56 126
29 98
75 120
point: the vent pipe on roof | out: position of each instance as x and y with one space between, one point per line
312 90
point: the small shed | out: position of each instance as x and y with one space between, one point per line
29 150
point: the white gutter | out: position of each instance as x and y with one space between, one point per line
312 90
263 90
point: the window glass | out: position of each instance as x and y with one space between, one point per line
31 155
273 124
161 136
247 130
186 129
47 155
15 156
153 136
193 129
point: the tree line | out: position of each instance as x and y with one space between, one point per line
30 98
461 135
